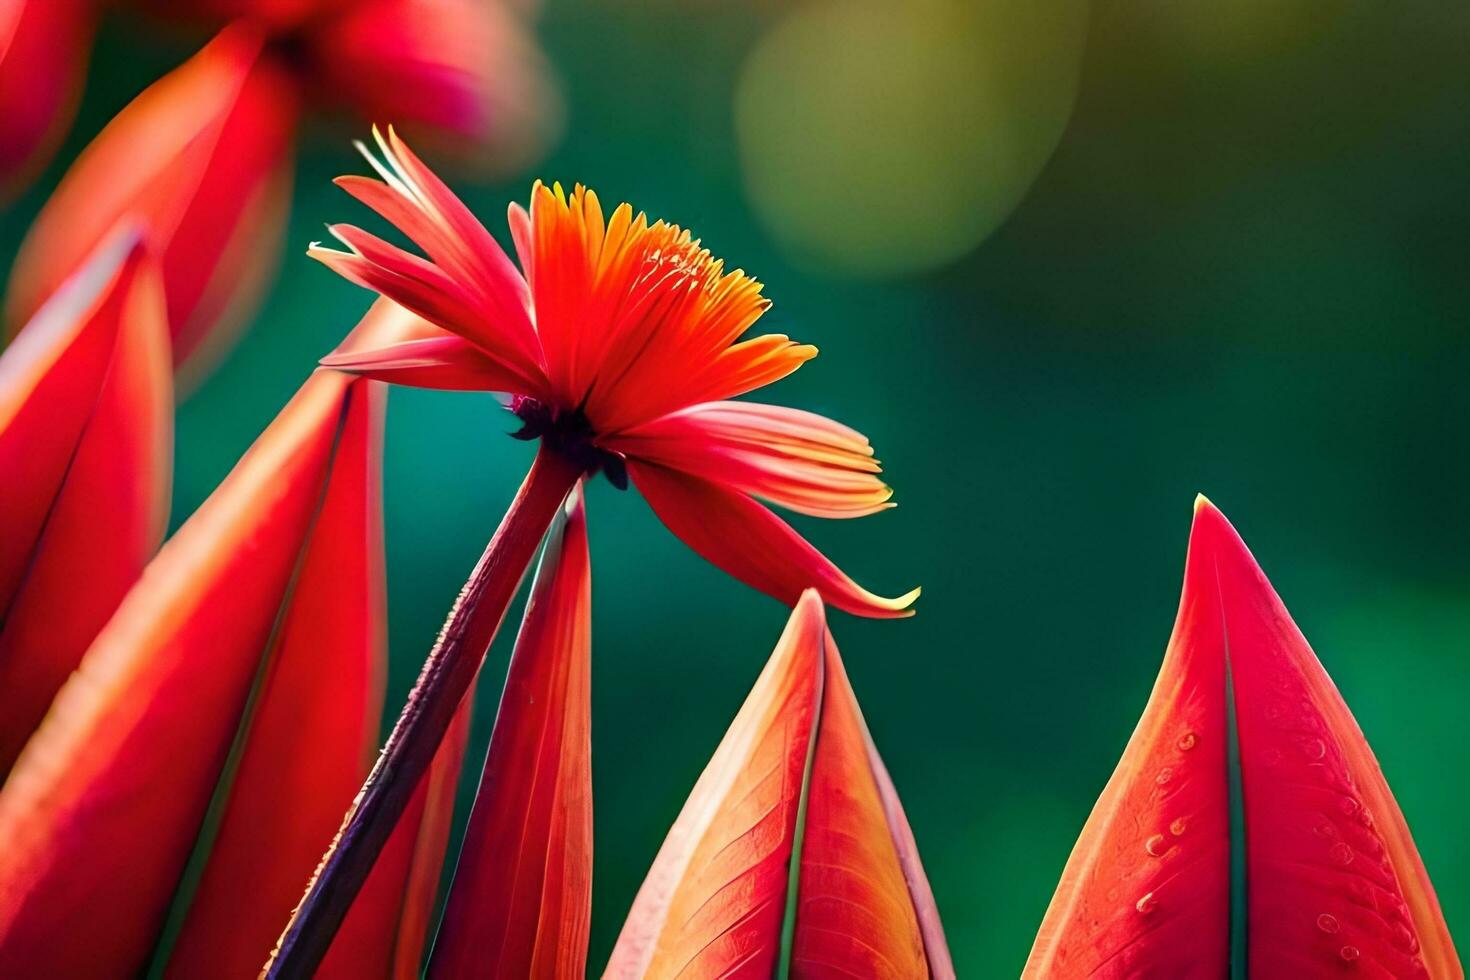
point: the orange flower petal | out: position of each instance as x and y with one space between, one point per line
199 160
739 535
470 287
1332 879
387 929
1332 873
1146 891
86 444
105 804
447 362
43 57
522 895
799 460
796 777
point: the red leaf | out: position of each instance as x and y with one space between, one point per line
1146 891
106 802
86 444
522 895
199 159
1332 879
714 902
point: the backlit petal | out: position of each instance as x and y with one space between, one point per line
796 779
468 284
804 462
43 57
522 895
108 799
745 539
86 449
199 159
447 362
716 894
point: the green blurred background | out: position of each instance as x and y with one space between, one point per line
1067 267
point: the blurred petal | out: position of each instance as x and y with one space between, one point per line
387 928
86 449
737 534
795 777
43 58
1332 870
1332 879
465 73
799 460
200 160
278 14
522 896
107 802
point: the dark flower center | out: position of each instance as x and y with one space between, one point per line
570 434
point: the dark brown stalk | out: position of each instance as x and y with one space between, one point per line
442 683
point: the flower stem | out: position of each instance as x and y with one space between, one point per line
442 684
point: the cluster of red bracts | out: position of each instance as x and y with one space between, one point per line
201 161
180 740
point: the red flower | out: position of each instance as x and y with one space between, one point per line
1327 875
619 345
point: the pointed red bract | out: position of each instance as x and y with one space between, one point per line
43 58
795 779
1146 891
107 801
199 160
1332 881
1333 878
522 895
86 446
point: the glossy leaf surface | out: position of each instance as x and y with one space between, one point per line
1329 879
791 853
